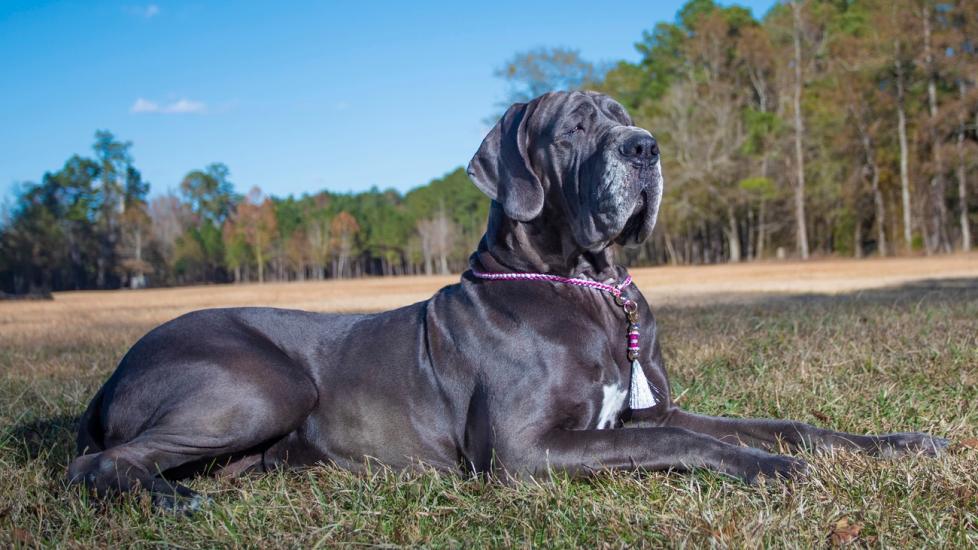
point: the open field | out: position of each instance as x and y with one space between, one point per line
867 346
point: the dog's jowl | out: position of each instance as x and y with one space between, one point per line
542 358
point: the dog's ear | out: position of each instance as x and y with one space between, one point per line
501 167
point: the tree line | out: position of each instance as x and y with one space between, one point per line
829 127
92 225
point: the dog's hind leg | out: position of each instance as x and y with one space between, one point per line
208 418
144 462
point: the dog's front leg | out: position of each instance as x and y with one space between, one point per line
583 452
769 433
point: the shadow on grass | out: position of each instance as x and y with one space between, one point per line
932 292
939 290
50 441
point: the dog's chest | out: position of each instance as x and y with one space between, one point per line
612 404
611 396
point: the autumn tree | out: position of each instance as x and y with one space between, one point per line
437 240
895 33
343 230
961 64
255 224
798 85
317 227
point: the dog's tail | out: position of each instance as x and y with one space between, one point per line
90 433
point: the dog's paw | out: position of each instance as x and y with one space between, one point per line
892 445
781 467
181 501
752 465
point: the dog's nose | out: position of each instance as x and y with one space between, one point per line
640 146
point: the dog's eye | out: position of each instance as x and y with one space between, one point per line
575 130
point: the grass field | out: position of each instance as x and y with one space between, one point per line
871 346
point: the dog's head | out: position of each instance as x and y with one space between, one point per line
574 156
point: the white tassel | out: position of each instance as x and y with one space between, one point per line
639 394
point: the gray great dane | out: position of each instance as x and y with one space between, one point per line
516 378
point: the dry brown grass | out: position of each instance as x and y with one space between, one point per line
865 346
78 314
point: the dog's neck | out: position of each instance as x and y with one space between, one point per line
535 247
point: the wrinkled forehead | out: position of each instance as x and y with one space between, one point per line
559 108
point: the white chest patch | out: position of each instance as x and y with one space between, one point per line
611 405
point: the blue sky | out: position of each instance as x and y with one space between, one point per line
293 96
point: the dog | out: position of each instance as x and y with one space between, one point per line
516 378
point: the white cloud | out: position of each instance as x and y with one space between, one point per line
181 106
144 106
148 11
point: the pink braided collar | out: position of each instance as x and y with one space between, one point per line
614 290
640 390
